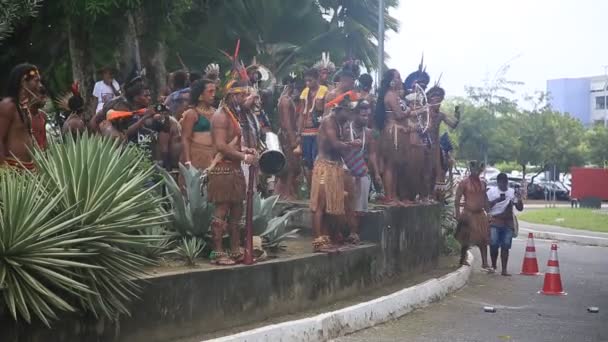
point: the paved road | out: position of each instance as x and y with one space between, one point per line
522 314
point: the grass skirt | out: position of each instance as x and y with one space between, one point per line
226 183
327 178
472 228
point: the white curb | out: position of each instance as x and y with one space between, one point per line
357 317
579 239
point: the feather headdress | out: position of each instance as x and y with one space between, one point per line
71 101
419 76
212 71
238 80
325 63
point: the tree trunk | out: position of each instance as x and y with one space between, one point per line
82 64
127 59
156 67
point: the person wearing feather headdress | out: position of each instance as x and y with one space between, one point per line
226 188
472 228
435 96
326 68
72 104
417 166
327 195
16 138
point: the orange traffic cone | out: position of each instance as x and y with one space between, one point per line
530 265
553 281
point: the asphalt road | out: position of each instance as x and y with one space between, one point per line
522 314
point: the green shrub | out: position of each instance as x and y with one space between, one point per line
73 234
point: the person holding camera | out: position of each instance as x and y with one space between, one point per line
501 200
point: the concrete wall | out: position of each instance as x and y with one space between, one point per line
571 95
406 240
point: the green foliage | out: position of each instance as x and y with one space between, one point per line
100 182
493 128
73 234
272 229
586 219
160 246
596 140
39 251
192 213
14 11
507 167
190 248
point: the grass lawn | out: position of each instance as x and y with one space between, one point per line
587 219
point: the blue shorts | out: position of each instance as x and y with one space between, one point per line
501 236
309 150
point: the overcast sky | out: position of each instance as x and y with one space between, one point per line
470 39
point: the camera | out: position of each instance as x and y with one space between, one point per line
161 108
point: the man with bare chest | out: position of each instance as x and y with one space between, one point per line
226 188
313 100
15 116
435 96
287 180
327 191
472 228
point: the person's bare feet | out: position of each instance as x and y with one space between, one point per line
505 274
406 203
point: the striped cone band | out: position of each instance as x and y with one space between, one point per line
530 265
553 281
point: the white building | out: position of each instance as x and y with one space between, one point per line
599 99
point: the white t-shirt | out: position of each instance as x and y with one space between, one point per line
500 207
104 93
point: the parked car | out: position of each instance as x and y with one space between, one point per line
512 184
537 190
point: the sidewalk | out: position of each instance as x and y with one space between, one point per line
584 237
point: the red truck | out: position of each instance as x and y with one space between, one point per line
589 182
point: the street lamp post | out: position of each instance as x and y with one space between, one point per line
380 41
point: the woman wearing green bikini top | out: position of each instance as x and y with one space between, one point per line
198 149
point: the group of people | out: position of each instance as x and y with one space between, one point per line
486 217
338 136
345 140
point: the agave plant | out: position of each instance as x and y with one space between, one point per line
192 212
272 229
39 250
190 248
101 182
157 248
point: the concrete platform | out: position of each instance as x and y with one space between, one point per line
399 241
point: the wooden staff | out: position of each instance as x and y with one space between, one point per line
248 258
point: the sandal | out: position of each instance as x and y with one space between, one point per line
322 244
354 239
221 259
238 256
